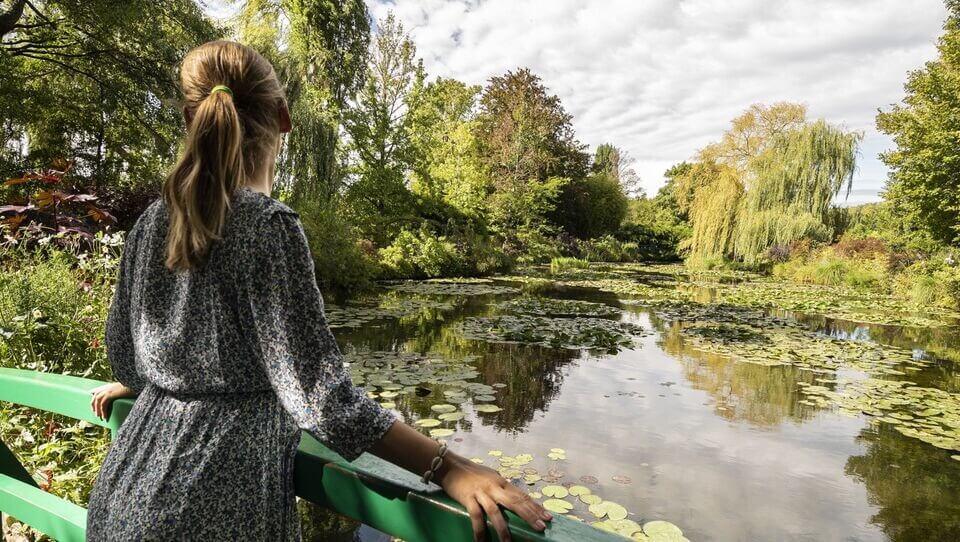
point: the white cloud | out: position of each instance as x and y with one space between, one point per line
663 78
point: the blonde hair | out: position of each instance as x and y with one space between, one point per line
229 133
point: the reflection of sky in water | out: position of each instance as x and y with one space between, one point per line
716 479
721 449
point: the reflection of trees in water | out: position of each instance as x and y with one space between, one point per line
532 375
318 524
914 484
758 394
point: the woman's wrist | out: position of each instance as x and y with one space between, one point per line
451 463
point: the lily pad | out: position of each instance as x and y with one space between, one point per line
558 506
555 491
662 530
590 499
427 422
609 509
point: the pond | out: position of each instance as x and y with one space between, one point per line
707 401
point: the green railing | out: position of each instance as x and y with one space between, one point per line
369 490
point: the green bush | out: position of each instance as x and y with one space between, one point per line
53 308
564 263
419 255
828 267
341 263
601 249
930 283
536 247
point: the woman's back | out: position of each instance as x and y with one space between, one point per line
193 328
231 359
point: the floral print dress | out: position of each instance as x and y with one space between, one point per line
231 360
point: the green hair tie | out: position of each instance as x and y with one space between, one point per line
222 88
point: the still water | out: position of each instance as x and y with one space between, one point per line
725 450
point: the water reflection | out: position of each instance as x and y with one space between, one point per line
726 450
917 489
763 396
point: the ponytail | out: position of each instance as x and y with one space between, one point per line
199 188
230 97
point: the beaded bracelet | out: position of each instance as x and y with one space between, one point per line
435 464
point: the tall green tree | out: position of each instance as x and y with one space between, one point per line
92 82
526 141
924 182
525 133
319 49
618 165
378 125
445 163
596 204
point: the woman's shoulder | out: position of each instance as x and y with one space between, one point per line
265 219
261 206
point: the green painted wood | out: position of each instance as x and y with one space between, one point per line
58 518
369 489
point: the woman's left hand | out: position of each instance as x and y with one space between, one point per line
103 395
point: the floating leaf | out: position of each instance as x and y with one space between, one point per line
555 491
443 408
427 422
590 499
487 408
662 530
609 509
576 491
558 506
441 432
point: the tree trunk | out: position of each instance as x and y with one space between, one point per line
9 20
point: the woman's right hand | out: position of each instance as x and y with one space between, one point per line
103 395
481 490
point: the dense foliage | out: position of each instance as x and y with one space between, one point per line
924 185
769 181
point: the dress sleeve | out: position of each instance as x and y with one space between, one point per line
298 352
118 336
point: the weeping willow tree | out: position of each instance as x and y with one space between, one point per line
792 186
319 48
713 213
779 191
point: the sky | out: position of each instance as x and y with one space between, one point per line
663 78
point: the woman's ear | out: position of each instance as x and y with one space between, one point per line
284 115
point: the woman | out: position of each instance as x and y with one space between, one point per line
218 326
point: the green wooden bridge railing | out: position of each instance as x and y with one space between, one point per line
370 490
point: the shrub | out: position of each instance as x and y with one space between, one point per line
343 263
865 247
829 268
601 249
53 307
419 255
561 264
